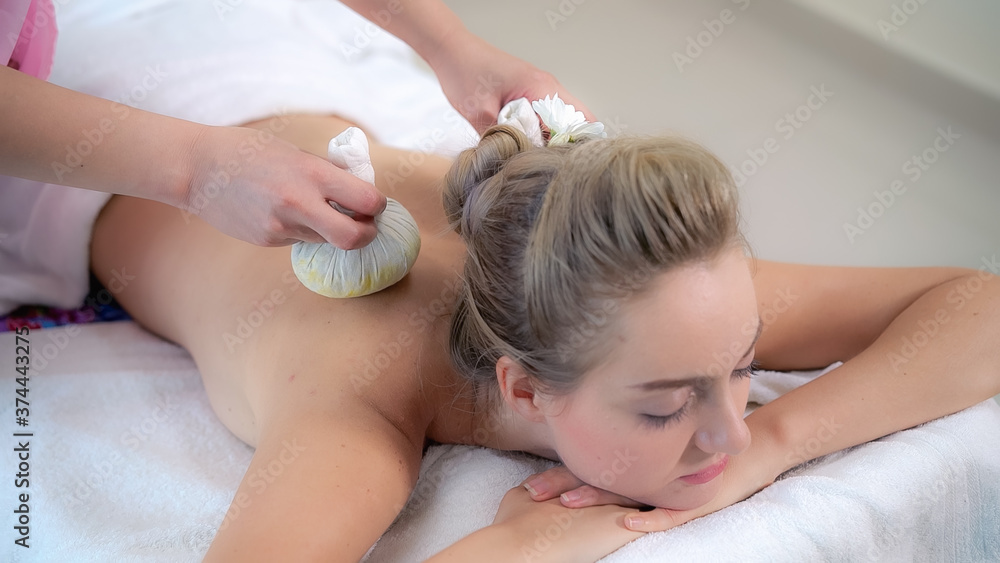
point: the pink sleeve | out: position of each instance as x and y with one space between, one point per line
28 40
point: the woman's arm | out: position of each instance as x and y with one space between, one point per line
525 530
816 315
320 487
917 344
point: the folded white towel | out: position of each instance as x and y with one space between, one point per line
926 494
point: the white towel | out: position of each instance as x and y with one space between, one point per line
228 62
930 493
129 463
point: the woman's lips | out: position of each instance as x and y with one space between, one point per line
707 474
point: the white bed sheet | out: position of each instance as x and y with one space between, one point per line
129 463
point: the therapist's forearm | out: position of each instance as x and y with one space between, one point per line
52 134
940 355
428 26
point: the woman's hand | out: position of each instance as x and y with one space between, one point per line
741 479
543 531
479 79
253 186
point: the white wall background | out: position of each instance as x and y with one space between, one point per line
936 68
940 69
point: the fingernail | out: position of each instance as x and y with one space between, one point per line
634 522
536 487
570 496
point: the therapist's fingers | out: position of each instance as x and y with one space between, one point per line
351 226
340 230
351 192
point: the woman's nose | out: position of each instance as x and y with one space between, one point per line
723 429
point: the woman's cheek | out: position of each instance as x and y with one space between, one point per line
587 447
610 455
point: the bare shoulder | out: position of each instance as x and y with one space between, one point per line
320 486
816 315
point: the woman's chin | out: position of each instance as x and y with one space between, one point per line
687 498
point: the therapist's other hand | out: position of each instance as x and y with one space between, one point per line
479 79
253 186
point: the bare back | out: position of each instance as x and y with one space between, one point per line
358 381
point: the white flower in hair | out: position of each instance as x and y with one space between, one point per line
518 113
565 123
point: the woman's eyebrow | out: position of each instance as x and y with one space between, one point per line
756 337
697 380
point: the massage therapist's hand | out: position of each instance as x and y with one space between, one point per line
245 182
743 477
479 79
255 187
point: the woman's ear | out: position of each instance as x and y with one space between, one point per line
519 391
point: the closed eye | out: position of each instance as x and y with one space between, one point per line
658 421
749 371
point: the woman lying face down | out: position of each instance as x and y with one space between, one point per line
609 306
610 310
606 316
